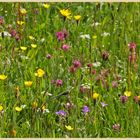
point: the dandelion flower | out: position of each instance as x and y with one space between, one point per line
127 93
23 48
3 77
1 108
34 105
68 127
28 83
66 13
18 109
33 45
95 96
40 73
31 37
77 17
94 36
46 6
20 22
23 11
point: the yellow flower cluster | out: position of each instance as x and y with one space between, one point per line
127 93
95 95
66 13
3 77
28 83
23 11
40 73
46 6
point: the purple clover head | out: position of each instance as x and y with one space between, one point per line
48 56
104 104
59 82
76 63
132 46
116 127
114 84
85 109
65 47
61 113
123 99
61 35
1 20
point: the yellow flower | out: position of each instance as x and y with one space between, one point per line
46 6
23 48
33 45
94 36
17 88
28 83
77 17
3 77
1 108
34 105
139 98
23 11
66 13
43 107
18 109
68 127
40 73
31 37
20 22
95 95
127 93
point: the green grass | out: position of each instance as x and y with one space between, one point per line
121 24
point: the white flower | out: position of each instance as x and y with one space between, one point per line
86 85
105 34
23 106
42 40
5 33
46 111
38 110
97 64
85 36
49 94
96 24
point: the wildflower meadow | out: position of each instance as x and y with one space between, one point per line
69 70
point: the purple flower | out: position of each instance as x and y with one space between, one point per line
13 33
76 63
62 35
85 109
114 84
104 104
65 47
132 46
61 113
48 56
1 20
116 127
93 72
59 82
72 69
105 55
123 99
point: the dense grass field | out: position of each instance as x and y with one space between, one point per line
69 70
